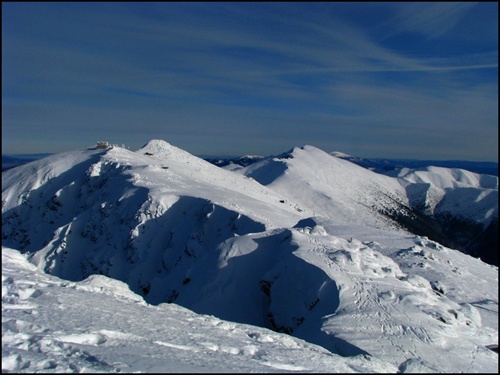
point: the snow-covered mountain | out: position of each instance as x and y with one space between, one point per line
380 165
303 244
321 185
453 206
439 191
464 205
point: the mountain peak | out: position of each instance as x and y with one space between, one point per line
297 150
157 146
179 230
162 149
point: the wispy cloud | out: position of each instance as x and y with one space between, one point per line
431 19
244 69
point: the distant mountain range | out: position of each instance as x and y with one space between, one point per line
304 243
381 165
378 165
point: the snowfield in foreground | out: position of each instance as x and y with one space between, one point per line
158 261
99 325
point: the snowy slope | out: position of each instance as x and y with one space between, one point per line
115 209
452 191
313 250
463 204
322 185
51 325
424 298
453 206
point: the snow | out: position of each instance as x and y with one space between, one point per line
52 325
452 191
448 177
289 264
321 185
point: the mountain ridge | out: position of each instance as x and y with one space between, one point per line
379 165
178 229
385 165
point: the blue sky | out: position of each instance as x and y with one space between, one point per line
396 80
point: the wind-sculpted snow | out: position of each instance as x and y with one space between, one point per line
51 325
106 222
314 251
454 206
